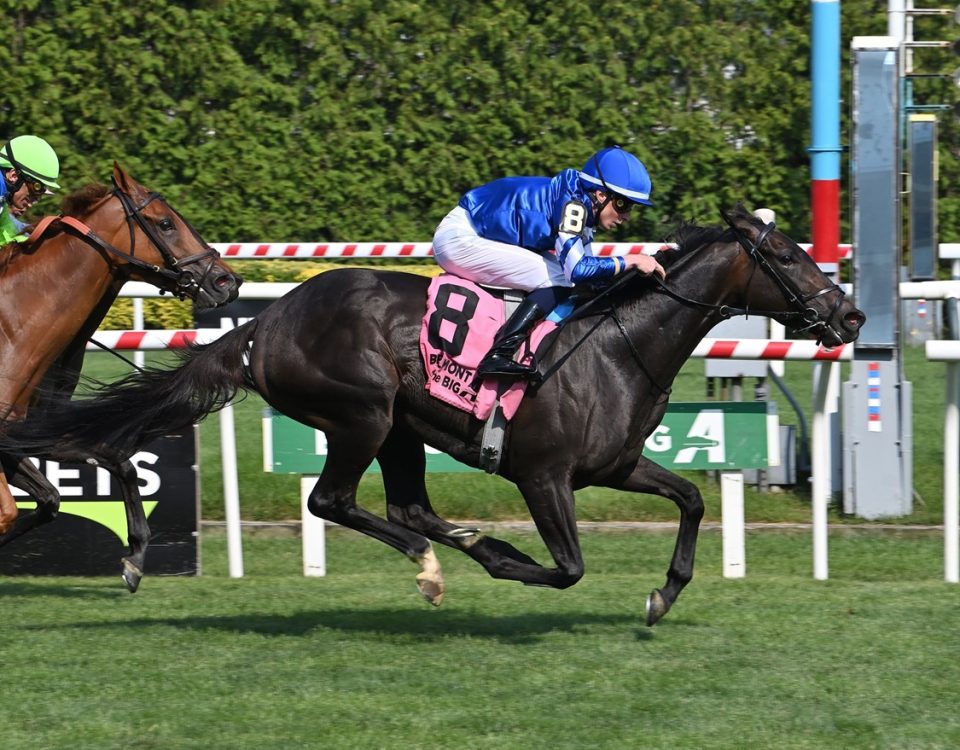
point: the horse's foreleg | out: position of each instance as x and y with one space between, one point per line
651 478
138 529
21 473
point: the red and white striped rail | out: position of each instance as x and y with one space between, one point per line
769 349
304 250
154 340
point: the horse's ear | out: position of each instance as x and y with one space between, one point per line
738 216
120 178
125 182
743 221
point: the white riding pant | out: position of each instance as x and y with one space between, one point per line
461 251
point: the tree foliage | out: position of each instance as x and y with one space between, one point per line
363 120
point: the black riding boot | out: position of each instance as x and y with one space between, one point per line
499 360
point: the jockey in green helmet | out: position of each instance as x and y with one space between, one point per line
30 169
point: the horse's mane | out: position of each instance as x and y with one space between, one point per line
79 203
690 237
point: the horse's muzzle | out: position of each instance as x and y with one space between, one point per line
216 289
844 326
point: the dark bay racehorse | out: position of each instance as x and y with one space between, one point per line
56 289
340 353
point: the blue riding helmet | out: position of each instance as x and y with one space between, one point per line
614 170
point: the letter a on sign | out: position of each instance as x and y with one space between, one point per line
705 434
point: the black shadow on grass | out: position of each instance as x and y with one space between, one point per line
423 626
79 590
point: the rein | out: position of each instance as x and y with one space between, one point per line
806 314
609 312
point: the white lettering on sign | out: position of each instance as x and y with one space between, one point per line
67 480
149 479
659 440
57 476
705 434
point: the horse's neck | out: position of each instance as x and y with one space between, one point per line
54 298
671 328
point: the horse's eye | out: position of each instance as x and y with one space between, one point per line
786 258
165 225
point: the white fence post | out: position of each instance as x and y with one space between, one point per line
821 468
732 523
231 493
313 533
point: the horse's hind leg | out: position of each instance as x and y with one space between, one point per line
403 464
334 498
653 479
23 474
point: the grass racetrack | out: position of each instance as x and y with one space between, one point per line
867 659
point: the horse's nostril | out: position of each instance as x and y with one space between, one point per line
854 320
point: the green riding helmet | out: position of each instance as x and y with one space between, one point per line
33 157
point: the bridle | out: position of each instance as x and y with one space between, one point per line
174 276
808 319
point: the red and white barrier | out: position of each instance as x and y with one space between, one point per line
764 349
315 250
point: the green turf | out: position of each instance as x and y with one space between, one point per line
355 660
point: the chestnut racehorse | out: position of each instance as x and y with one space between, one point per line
57 287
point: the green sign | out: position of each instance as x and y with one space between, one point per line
719 435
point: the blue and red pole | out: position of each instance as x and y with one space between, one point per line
825 134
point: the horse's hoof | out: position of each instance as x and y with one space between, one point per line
657 607
431 588
131 576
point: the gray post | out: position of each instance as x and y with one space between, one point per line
877 417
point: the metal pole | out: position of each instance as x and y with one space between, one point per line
825 131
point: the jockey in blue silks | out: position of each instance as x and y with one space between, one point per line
535 234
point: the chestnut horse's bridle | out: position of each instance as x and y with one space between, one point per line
182 283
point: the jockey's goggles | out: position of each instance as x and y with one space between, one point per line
620 204
34 187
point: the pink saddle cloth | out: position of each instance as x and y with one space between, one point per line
458 329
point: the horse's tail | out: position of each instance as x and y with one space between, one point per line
119 418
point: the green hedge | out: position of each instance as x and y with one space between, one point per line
311 120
